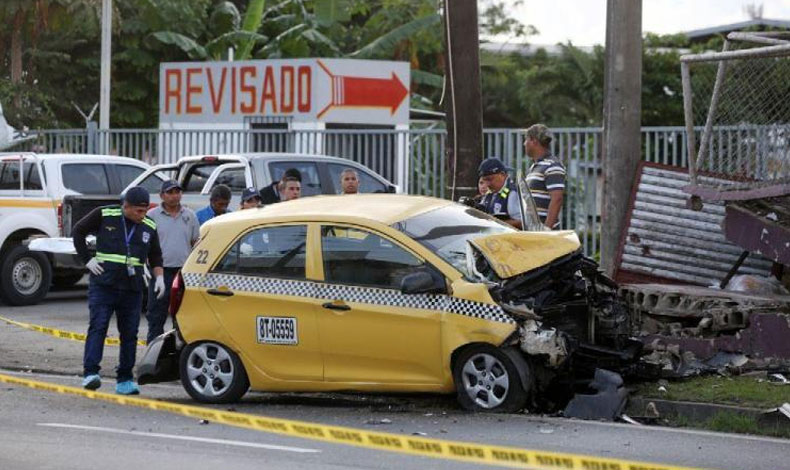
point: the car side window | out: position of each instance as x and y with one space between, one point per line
128 173
367 183
358 257
277 252
86 178
9 175
311 183
197 175
233 178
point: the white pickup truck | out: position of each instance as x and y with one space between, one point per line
33 188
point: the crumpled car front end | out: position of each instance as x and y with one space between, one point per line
570 318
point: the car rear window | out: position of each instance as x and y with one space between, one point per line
277 252
367 183
86 178
311 183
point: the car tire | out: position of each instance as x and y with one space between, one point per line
67 279
26 276
488 379
212 373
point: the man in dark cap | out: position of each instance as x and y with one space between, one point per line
250 199
125 239
178 229
272 193
502 199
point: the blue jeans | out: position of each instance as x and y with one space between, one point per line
157 308
103 301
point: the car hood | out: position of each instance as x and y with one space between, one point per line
514 253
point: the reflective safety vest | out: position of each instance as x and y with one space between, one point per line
495 203
111 249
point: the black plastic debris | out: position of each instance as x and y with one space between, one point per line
607 404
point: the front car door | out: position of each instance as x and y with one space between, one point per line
370 331
259 292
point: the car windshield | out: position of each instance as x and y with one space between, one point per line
446 230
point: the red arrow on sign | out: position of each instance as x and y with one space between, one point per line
364 92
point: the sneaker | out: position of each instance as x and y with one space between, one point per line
91 382
127 388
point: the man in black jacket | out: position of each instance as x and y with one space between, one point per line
271 194
125 240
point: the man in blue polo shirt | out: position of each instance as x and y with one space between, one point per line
218 204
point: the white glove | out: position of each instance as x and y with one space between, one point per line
159 287
95 267
146 275
246 249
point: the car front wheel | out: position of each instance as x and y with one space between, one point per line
26 276
489 379
212 373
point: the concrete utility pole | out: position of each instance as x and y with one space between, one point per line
106 58
622 110
463 102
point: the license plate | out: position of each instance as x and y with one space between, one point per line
277 330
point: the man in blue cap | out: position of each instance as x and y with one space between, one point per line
250 199
125 240
502 199
178 229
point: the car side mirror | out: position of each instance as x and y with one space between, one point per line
421 282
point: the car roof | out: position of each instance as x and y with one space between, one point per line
72 156
382 208
274 156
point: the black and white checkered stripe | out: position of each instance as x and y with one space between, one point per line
366 295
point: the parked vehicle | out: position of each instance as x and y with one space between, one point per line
199 174
33 188
386 293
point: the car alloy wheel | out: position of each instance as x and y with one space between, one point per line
212 373
488 378
485 380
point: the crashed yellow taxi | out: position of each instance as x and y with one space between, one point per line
384 293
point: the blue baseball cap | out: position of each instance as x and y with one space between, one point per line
168 185
249 193
137 196
491 166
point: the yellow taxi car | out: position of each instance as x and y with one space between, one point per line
382 293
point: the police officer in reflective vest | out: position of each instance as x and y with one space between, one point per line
502 199
125 240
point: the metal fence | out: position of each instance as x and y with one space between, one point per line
413 158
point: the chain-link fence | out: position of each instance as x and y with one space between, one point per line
739 99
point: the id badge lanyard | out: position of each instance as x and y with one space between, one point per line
128 238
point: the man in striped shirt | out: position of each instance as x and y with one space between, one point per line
546 178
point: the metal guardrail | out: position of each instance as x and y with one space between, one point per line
416 156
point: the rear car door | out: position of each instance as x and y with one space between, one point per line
261 296
311 181
370 331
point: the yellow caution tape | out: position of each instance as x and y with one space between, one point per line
63 334
512 457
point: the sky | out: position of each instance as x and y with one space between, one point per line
584 21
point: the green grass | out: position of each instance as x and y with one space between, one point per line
729 422
739 391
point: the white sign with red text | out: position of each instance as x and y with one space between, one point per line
300 90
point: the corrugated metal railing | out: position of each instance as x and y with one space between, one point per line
424 167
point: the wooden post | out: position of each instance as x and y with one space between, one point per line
622 111
463 100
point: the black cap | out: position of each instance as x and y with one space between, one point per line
249 193
168 185
491 166
137 196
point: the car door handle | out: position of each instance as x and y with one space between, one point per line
222 292
334 306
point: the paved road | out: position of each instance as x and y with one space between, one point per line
45 430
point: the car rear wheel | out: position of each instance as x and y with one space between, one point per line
488 379
212 373
26 276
